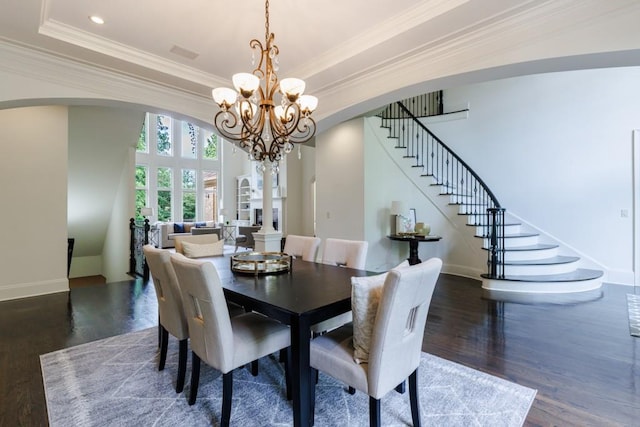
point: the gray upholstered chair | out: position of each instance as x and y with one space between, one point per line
244 239
346 253
305 247
221 341
172 319
396 340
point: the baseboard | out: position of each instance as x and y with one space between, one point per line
462 270
24 290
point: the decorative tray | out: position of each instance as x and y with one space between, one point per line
258 263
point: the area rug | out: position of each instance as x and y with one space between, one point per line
115 382
633 302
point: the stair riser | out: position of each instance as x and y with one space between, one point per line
541 287
530 255
461 199
514 242
530 270
472 210
508 229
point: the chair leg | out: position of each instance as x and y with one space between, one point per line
164 341
182 365
374 412
254 368
413 398
402 387
159 332
195 377
227 394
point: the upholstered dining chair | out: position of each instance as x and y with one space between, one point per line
172 319
345 253
395 341
305 247
223 342
245 239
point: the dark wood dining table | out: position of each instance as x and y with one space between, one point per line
307 294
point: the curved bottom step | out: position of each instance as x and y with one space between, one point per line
580 280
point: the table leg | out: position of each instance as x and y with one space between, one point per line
413 252
300 371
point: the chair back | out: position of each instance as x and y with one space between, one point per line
206 311
305 247
248 231
170 307
350 253
396 340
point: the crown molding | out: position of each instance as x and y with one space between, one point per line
68 79
72 35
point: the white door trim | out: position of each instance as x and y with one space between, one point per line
636 207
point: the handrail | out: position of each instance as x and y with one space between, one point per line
494 199
461 183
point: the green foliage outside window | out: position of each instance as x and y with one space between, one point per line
189 179
189 206
164 178
142 139
211 147
164 205
141 202
164 141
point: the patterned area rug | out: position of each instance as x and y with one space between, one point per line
633 301
115 382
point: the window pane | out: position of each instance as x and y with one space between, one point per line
164 178
164 205
141 202
210 145
189 206
210 202
189 179
141 176
164 136
143 147
189 140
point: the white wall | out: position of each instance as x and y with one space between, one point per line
340 182
33 189
556 149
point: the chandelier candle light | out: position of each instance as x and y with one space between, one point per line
265 117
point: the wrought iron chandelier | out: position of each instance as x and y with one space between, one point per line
263 115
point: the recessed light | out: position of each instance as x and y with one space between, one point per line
96 19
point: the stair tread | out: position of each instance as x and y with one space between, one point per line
560 259
506 224
579 274
536 247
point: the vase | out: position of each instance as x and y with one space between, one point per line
422 228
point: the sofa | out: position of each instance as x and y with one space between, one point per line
169 230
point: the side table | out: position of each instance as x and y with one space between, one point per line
413 240
229 233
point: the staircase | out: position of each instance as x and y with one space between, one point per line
517 258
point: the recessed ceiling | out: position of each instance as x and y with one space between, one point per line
348 52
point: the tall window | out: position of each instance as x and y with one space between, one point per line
142 189
188 194
163 183
180 165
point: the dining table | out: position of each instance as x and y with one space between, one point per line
306 294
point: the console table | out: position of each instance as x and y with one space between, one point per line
413 244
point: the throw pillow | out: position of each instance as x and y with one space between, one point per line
197 250
200 224
365 298
178 227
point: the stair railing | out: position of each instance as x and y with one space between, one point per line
138 237
454 176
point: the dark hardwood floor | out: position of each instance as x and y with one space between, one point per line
577 353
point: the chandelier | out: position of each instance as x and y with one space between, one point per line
263 115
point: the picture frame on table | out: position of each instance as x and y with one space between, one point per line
412 219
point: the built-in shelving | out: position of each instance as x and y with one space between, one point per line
243 198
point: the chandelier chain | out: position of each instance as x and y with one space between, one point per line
266 20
